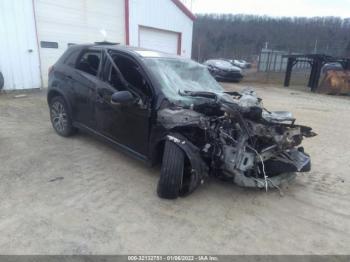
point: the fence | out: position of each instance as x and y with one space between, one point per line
273 61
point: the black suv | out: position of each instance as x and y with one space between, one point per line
168 109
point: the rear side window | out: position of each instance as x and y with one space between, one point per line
72 57
89 62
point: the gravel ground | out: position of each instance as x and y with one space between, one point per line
80 196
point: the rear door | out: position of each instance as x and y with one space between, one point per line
85 80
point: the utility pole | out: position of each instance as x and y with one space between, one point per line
199 52
315 49
266 45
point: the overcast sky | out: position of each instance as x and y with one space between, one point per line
306 8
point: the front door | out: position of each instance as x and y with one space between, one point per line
128 125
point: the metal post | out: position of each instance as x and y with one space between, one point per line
317 75
268 62
315 48
289 71
312 74
199 52
259 62
274 62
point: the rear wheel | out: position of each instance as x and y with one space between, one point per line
60 117
171 175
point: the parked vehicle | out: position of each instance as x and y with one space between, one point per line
223 70
241 63
332 66
168 109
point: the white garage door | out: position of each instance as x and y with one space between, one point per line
159 40
19 58
65 22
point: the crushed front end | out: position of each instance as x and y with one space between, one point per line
237 139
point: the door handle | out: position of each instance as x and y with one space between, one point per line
69 77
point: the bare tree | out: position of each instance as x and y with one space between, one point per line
243 36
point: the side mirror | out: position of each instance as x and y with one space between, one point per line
122 98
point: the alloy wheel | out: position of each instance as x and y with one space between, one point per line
59 116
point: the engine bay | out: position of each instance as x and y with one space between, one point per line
238 139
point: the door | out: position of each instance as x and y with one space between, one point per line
19 57
128 125
160 40
84 82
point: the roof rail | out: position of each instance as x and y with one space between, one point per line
106 43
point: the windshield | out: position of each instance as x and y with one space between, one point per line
176 75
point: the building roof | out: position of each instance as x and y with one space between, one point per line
184 9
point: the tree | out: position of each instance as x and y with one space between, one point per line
243 36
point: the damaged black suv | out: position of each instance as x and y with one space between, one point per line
168 109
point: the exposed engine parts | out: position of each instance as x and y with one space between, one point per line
238 140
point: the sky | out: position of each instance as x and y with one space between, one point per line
307 8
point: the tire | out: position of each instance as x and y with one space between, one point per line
60 117
2 81
171 175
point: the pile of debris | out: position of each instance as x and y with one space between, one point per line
335 82
336 71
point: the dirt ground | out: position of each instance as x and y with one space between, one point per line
80 196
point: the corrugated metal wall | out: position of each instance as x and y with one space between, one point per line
19 58
161 14
76 22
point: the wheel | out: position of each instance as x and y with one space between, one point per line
60 118
171 175
1 81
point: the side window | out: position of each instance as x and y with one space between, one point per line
113 78
131 73
71 59
89 62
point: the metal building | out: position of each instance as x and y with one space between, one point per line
34 33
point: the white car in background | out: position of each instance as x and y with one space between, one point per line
240 63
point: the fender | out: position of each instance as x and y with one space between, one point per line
200 170
59 92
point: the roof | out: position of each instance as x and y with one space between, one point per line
184 9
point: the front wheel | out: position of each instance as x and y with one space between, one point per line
60 117
171 175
